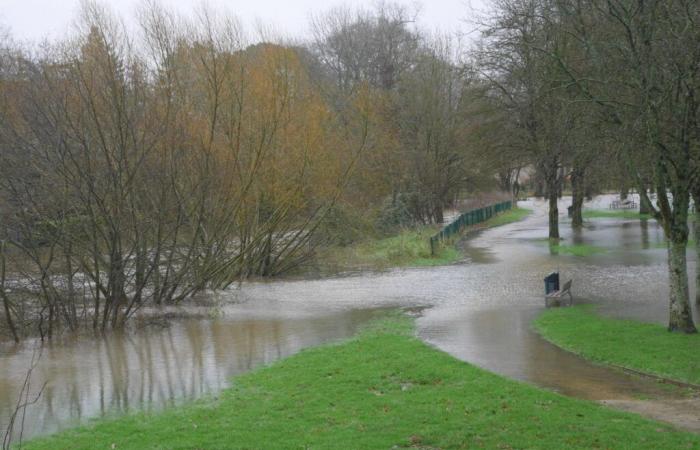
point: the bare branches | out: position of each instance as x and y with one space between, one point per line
144 171
25 399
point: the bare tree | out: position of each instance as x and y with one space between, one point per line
358 46
145 170
527 84
432 128
646 86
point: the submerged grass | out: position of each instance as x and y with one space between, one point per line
576 249
383 389
512 215
664 244
640 346
614 214
409 248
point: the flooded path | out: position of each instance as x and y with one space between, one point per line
479 311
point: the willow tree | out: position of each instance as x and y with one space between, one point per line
147 169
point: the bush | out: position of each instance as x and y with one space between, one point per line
343 225
395 214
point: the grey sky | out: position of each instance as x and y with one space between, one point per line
35 19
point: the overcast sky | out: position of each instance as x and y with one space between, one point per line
34 20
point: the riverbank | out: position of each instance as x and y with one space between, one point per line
382 389
641 347
408 248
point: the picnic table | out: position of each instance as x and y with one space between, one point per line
623 204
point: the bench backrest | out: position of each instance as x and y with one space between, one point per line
567 286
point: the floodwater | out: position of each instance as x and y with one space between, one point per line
160 366
479 311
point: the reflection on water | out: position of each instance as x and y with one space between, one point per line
503 342
480 311
644 232
157 367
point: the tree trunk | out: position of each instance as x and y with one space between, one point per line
551 173
644 231
516 185
696 236
438 214
644 207
553 215
680 316
539 187
624 192
577 194
3 294
560 186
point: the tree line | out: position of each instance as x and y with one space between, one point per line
605 88
141 168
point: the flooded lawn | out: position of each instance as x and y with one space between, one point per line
479 311
157 367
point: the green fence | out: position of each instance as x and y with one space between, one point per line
468 218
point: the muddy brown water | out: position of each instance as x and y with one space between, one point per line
158 367
479 311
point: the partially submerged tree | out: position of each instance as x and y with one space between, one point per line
144 172
527 85
647 86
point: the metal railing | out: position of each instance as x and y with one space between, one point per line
467 219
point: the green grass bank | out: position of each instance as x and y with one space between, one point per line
512 215
408 248
575 249
643 347
383 389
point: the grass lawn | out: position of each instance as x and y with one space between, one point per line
614 214
576 249
691 244
640 346
383 389
409 248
